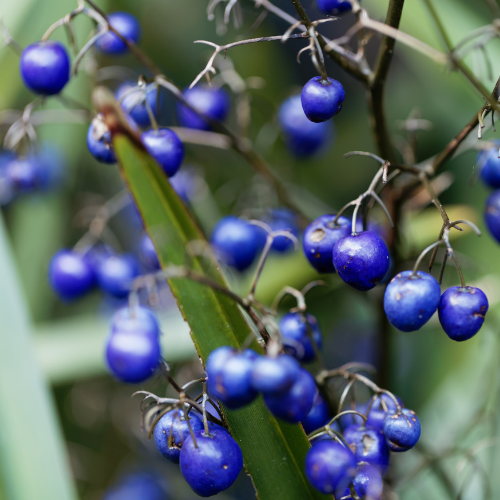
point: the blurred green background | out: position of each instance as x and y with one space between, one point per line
454 387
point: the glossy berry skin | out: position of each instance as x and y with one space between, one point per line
24 173
330 467
296 337
282 219
136 319
303 137
127 25
214 465
235 242
462 311
45 67
377 414
70 276
319 239
147 253
174 425
321 101
490 163
492 214
367 483
334 7
318 416
132 357
133 102
214 103
274 375
295 404
361 259
214 366
402 431
166 148
101 149
410 301
369 445
116 274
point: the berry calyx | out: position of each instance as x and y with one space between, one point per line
361 259
127 25
294 328
319 239
462 312
411 300
45 67
165 147
322 99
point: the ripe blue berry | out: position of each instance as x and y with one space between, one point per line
214 103
127 25
294 405
462 311
322 99
369 445
235 242
45 67
317 417
319 239
166 148
282 219
490 171
185 184
402 431
132 356
116 273
274 375
296 335
174 428
24 173
147 253
302 136
334 7
492 214
99 141
143 484
214 465
410 301
330 467
133 102
367 483
215 364
70 275
377 415
361 259
135 320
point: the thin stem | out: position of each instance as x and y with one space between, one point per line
260 266
423 254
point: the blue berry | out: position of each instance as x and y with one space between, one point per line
52 166
319 239
24 173
402 431
235 242
377 415
282 219
214 366
45 67
173 426
127 25
361 259
135 320
116 273
294 405
147 253
351 418
462 311
303 137
322 99
185 184
133 102
490 171
367 483
317 417
334 7
99 141
369 445
166 148
70 275
410 301
330 467
214 465
138 486
211 102
132 357
296 336
274 375
492 214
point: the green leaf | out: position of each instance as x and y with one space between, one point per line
274 452
33 463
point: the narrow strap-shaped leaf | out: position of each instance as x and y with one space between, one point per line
274 452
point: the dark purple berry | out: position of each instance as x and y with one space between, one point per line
127 25
462 311
402 430
322 99
410 301
165 147
361 259
116 273
297 334
274 375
